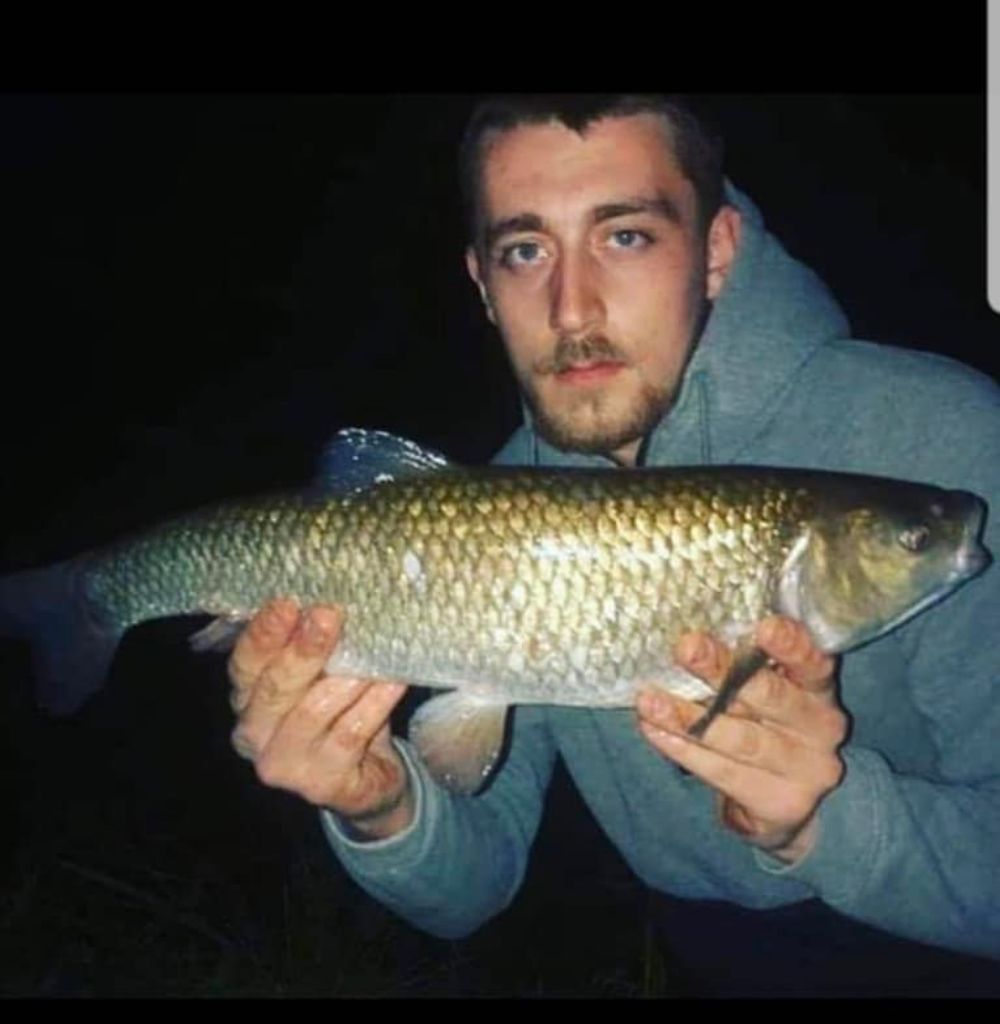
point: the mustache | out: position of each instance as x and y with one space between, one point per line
572 352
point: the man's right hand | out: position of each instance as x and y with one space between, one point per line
325 738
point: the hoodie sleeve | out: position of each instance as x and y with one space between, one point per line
918 855
462 859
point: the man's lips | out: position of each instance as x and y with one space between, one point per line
589 373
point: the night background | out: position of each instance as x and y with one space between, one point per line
199 292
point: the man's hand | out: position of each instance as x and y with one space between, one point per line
774 755
325 738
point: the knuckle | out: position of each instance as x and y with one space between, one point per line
346 735
240 670
326 789
315 702
314 794
795 805
269 690
832 775
748 741
771 689
835 723
826 665
840 721
239 698
272 772
243 744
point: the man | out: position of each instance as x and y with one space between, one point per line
650 318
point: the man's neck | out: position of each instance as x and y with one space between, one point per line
627 456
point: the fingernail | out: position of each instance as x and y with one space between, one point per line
243 746
320 623
277 614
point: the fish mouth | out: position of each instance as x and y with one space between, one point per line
972 557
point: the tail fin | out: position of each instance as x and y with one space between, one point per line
71 648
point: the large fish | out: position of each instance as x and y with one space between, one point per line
507 586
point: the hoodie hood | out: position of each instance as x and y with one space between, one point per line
771 316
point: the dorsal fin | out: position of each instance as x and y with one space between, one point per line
357 459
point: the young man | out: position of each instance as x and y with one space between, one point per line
649 317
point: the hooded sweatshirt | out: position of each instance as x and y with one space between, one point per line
908 842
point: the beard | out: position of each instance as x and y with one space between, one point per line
598 422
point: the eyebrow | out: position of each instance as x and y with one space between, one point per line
659 206
510 226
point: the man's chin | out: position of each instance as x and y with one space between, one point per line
600 431
588 439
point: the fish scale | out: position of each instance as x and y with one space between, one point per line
566 586
591 580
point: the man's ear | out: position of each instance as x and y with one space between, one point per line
472 265
723 243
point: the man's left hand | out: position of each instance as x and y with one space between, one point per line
774 755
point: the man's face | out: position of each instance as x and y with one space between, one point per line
593 267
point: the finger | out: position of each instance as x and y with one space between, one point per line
657 708
767 797
351 734
770 698
704 656
301 732
302 658
284 679
749 742
788 642
724 670
331 765
267 632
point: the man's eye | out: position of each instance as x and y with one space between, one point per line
630 238
520 254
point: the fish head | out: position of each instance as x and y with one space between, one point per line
877 554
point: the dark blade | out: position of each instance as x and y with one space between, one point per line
740 671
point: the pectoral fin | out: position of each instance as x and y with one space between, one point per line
743 667
459 739
219 635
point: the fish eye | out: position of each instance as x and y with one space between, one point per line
915 538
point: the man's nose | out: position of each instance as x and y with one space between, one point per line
576 303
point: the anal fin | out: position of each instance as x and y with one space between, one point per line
459 739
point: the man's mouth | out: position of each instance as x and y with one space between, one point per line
588 373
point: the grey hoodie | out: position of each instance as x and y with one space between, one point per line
910 840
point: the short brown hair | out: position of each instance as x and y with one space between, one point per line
696 145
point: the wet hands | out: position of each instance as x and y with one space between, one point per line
774 755
324 738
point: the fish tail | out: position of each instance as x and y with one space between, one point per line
72 647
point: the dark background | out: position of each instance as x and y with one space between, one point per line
199 291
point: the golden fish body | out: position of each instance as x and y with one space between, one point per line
557 587
565 586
